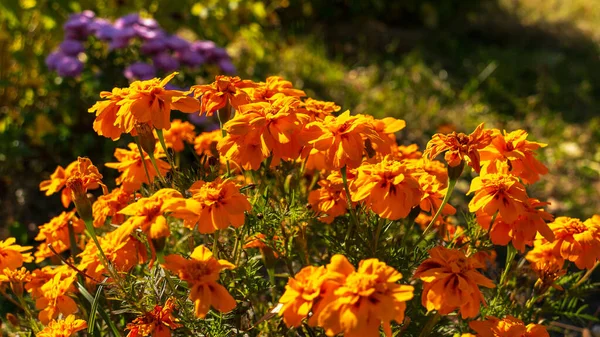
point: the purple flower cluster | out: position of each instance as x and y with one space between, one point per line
167 52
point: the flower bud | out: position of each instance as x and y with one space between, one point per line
455 172
146 137
80 199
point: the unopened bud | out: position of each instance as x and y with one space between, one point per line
80 199
146 137
224 114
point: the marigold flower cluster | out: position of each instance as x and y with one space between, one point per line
343 299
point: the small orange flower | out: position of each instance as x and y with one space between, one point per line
109 205
367 298
259 241
63 328
201 273
206 143
301 293
131 166
514 148
39 277
317 110
81 175
460 146
121 248
55 298
159 322
341 138
147 214
451 282
385 128
401 152
433 194
547 265
225 90
214 205
500 193
329 201
56 233
16 278
576 241
387 188
263 129
522 231
178 133
274 85
107 123
509 326
13 256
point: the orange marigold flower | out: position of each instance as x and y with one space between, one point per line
178 133
206 143
55 298
514 148
224 91
460 146
401 152
329 201
41 276
122 249
262 129
214 205
576 241
522 231
201 273
78 177
301 293
272 86
341 138
546 264
16 278
159 322
259 241
147 214
385 128
107 122
433 194
109 205
317 110
131 166
509 326
13 256
56 233
387 188
500 193
63 328
367 298
451 282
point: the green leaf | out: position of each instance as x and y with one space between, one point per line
95 303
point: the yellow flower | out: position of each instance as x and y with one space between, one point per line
201 273
63 328
55 298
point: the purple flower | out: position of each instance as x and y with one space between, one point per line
190 58
176 43
127 20
140 71
147 33
53 58
205 48
68 66
71 47
226 66
149 23
153 46
165 62
121 37
102 29
78 25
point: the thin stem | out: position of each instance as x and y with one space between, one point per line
161 139
353 218
430 325
153 161
215 249
12 300
70 264
380 224
451 184
72 240
586 275
137 141
511 253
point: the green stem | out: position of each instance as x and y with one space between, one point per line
215 249
153 161
137 141
72 240
380 223
451 184
161 139
511 253
430 325
353 218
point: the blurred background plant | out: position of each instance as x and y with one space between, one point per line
438 64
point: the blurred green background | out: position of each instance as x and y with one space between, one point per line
529 64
